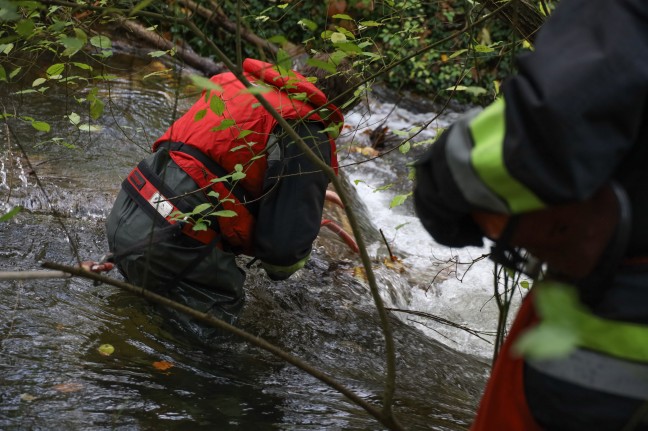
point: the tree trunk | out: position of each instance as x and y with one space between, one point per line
205 65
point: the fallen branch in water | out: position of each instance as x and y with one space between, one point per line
446 322
211 320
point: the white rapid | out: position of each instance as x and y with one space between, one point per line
453 284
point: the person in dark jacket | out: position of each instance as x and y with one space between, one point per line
573 120
225 179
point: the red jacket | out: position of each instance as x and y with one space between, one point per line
234 128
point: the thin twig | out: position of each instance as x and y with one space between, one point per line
441 320
391 255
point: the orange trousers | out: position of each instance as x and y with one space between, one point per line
503 406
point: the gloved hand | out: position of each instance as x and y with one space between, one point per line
439 203
278 272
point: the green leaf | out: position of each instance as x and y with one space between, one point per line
338 37
96 108
278 39
204 83
244 133
41 126
105 77
38 81
89 128
25 28
82 65
238 176
6 48
12 213
324 65
457 53
225 124
201 208
399 200
74 118
3 74
546 342
156 54
384 187
238 147
101 41
216 105
472 89
158 72
284 63
8 11
258 88
200 115
404 149
349 47
15 72
81 35
224 213
72 45
26 91
370 23
307 24
483 48
342 16
55 70
199 225
333 130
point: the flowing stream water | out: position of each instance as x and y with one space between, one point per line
52 376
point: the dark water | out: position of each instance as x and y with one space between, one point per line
53 378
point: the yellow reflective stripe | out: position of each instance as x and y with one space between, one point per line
488 130
558 304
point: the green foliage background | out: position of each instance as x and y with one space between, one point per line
405 43
475 59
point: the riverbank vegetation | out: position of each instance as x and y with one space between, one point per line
457 49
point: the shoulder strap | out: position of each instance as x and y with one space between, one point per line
213 167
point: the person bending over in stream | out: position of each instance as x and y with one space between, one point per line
570 130
250 189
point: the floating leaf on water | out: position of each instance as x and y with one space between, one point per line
394 264
162 365
359 272
68 387
106 349
27 397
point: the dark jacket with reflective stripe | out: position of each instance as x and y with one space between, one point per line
572 119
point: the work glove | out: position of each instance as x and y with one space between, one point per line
278 272
439 203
